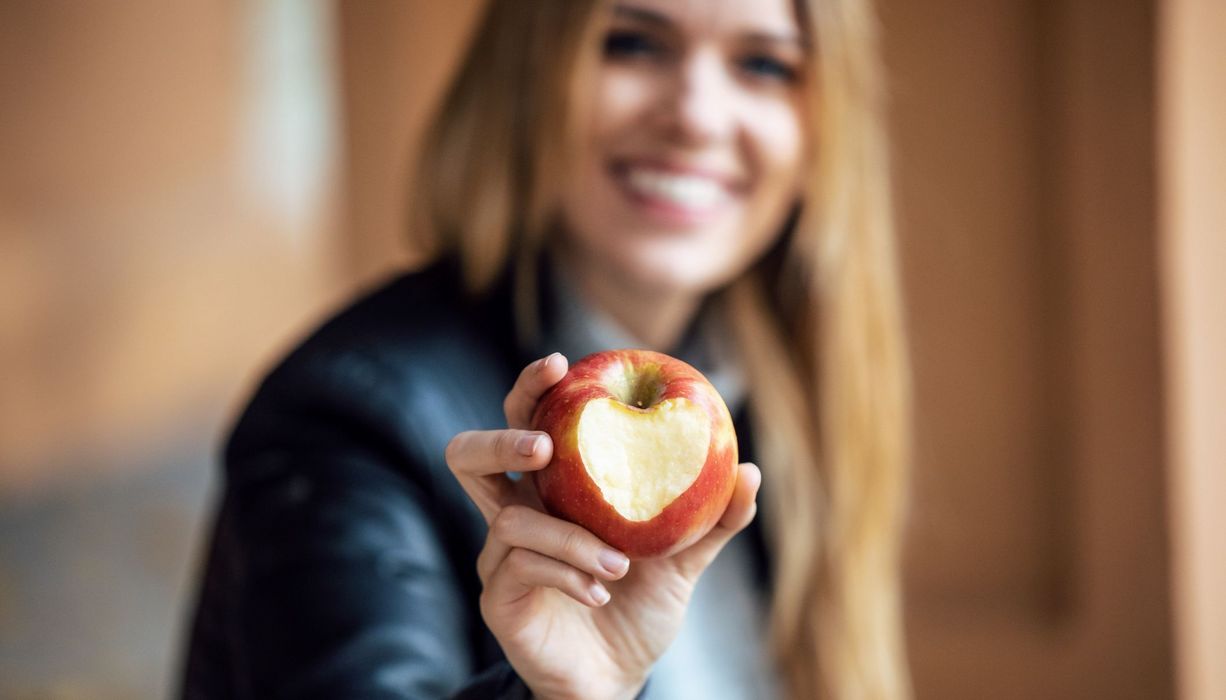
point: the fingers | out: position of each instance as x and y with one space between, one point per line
480 459
739 513
523 570
525 528
744 504
533 382
488 452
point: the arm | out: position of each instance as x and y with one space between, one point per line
342 588
342 576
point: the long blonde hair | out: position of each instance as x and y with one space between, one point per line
819 321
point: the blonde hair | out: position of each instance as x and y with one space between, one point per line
818 321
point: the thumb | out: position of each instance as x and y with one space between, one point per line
693 560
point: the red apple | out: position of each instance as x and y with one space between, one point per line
644 452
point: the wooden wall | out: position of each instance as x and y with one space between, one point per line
1027 193
169 198
151 256
1192 202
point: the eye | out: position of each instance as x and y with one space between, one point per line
768 67
628 44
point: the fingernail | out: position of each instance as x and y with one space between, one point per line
756 480
599 594
549 360
528 444
613 561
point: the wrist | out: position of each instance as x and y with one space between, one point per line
629 691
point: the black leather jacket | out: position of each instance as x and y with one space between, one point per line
343 556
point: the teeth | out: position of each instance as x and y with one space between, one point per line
683 190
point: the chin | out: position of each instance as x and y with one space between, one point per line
677 270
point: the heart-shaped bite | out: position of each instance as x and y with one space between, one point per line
643 459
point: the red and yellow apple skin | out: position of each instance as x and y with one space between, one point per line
568 491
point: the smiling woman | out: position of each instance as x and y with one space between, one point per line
625 174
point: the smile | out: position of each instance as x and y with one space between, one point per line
689 191
674 196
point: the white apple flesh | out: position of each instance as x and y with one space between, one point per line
643 458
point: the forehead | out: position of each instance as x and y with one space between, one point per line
715 17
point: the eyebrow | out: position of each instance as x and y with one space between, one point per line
662 21
642 15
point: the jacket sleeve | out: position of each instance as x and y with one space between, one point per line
344 578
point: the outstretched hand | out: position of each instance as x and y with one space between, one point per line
574 618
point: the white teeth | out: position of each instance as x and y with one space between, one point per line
688 191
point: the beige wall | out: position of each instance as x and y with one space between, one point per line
1192 142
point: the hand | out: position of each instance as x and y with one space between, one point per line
574 619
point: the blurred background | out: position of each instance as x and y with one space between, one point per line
186 187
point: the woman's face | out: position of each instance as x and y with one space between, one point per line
691 150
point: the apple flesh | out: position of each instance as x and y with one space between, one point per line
644 452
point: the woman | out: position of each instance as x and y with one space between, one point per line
705 178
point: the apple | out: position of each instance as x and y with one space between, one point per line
644 452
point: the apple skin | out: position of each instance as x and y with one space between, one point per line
568 492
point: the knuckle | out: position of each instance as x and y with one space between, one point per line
575 580
506 523
573 544
485 603
526 373
518 561
504 443
452 451
483 561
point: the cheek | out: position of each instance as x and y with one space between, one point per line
618 101
778 139
622 98
775 142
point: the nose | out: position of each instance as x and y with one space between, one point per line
698 107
